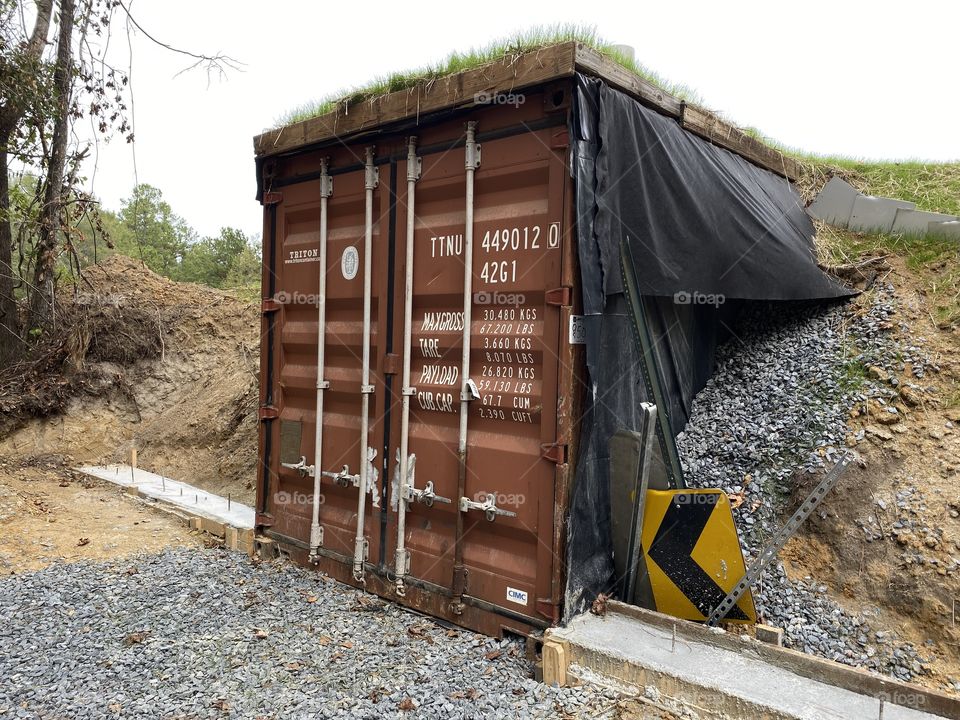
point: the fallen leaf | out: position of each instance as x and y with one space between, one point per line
736 499
135 638
324 640
293 666
347 644
452 633
221 704
114 707
599 606
493 654
407 704
468 694
260 634
131 571
83 541
311 598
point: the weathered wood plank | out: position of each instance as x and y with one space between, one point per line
591 62
506 75
509 75
707 125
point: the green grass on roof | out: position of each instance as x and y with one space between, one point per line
532 39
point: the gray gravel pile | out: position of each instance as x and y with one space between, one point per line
777 405
206 634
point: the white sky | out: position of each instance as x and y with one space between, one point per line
867 79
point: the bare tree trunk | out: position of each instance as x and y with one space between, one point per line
42 292
9 321
10 115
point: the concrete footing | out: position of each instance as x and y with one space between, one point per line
203 511
730 676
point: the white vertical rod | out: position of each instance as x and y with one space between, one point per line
400 562
472 161
370 183
326 190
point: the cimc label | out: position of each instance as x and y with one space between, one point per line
516 596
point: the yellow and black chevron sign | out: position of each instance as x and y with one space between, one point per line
692 554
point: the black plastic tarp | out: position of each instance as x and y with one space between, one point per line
704 229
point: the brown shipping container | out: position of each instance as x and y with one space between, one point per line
482 534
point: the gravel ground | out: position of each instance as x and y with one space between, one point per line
207 634
778 404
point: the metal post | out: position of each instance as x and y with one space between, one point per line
371 180
471 163
326 190
400 561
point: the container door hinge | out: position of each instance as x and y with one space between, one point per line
272 198
548 609
270 305
460 580
560 297
269 412
391 364
554 452
560 140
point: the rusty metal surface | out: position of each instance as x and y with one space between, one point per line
521 431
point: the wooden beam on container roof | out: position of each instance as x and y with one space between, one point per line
591 62
459 89
509 74
696 119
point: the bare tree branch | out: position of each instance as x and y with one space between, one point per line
218 63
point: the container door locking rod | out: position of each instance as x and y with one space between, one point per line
371 180
326 190
468 391
401 561
768 553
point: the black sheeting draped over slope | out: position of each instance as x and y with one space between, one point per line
697 217
698 221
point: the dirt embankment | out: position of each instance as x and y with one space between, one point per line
887 540
170 368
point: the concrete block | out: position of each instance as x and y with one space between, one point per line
555 660
949 229
876 214
769 634
917 222
834 203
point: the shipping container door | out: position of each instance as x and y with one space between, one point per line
298 234
515 335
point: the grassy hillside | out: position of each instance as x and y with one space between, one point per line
932 186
